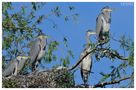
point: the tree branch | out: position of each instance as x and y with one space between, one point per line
104 83
116 54
112 54
87 53
109 83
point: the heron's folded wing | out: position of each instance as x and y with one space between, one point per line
21 64
34 50
98 24
9 70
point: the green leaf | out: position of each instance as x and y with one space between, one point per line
71 53
34 6
71 8
118 73
65 41
39 20
57 11
66 18
105 77
23 10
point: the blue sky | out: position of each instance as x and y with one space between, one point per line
122 23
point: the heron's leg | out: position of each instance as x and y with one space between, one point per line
33 67
85 76
86 85
36 65
9 77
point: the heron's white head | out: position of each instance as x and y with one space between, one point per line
107 9
88 34
43 36
19 58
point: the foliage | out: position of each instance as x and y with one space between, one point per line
49 56
9 84
65 78
21 25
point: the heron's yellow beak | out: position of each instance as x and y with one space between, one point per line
19 57
110 10
22 57
46 36
25 57
92 33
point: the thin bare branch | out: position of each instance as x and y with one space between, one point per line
109 83
95 48
115 54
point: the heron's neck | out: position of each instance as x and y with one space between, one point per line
107 13
87 39
107 16
17 61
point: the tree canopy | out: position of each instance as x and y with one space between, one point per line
21 25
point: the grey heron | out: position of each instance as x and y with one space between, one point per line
37 50
86 64
103 22
15 66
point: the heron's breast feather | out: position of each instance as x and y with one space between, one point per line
106 25
41 54
86 63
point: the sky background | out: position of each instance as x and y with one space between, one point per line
122 23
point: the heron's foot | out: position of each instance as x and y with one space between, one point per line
10 76
86 85
33 70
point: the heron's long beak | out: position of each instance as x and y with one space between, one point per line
92 33
25 57
28 57
110 10
22 57
47 36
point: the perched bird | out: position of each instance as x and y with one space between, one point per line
15 66
37 50
103 22
86 64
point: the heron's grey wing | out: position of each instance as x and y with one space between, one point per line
9 70
21 64
81 71
98 25
44 43
91 63
87 49
34 50
82 53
